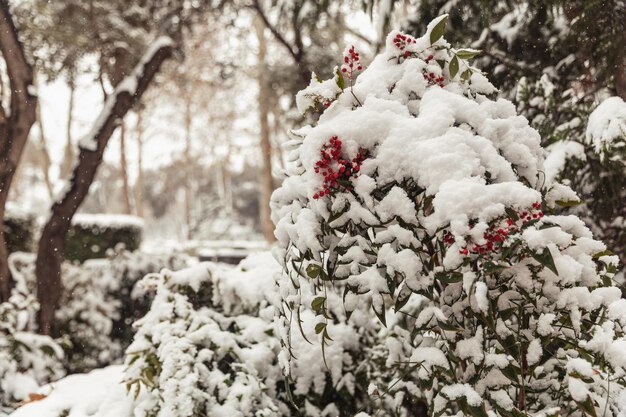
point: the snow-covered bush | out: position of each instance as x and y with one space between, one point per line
98 304
26 358
208 346
592 160
194 358
92 235
416 189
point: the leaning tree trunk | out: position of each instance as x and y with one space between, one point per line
51 249
14 129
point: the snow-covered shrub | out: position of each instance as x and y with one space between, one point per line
91 235
593 162
26 358
209 346
98 304
195 359
416 188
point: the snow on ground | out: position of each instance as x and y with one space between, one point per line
99 393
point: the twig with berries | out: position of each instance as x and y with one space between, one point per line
497 233
351 66
338 172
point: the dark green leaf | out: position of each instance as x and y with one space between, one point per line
319 327
449 277
453 67
569 203
380 314
340 81
467 53
318 303
545 259
465 75
438 30
447 326
587 407
403 297
512 214
313 271
490 267
605 252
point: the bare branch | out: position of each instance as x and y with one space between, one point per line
296 54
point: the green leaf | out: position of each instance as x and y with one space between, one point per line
453 67
465 75
403 297
48 350
511 372
605 252
447 326
478 411
587 407
320 327
569 203
318 303
467 53
545 259
449 277
512 214
490 267
438 30
380 314
340 81
313 271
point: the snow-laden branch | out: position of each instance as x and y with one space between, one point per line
129 85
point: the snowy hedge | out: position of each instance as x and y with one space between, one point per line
91 235
19 228
416 187
27 360
99 303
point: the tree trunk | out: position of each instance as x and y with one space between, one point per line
45 155
51 249
124 169
620 74
187 157
14 129
139 182
68 156
267 182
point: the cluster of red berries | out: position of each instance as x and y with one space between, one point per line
497 233
401 41
432 78
351 62
336 170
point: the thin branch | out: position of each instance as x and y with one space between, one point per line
297 55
